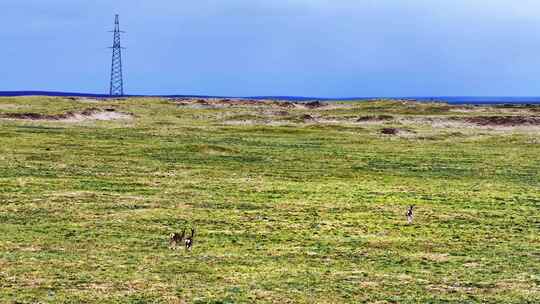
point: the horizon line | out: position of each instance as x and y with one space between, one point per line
83 94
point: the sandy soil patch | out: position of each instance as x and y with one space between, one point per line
100 116
508 121
400 132
88 114
501 123
10 106
376 118
87 100
217 103
434 257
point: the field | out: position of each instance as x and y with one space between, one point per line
292 203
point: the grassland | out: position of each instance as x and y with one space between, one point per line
291 204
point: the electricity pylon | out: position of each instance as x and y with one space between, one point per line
117 81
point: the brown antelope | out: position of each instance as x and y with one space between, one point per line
410 214
176 239
189 240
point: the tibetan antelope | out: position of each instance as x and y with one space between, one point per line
410 214
189 240
176 239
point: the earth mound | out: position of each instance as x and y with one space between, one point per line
508 121
375 118
87 114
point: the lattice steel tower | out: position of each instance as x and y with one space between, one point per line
117 81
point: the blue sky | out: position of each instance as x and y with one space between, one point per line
326 48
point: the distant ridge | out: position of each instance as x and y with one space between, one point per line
91 95
47 93
448 99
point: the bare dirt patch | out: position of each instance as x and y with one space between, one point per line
9 106
282 104
472 123
508 121
225 103
71 116
375 118
435 257
267 103
307 117
399 132
281 113
390 131
315 104
86 100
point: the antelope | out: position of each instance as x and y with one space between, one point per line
189 240
176 239
410 214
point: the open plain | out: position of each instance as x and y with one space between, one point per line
291 202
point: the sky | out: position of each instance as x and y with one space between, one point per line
321 48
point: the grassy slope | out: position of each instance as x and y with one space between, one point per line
300 213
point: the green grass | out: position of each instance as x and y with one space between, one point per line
289 213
